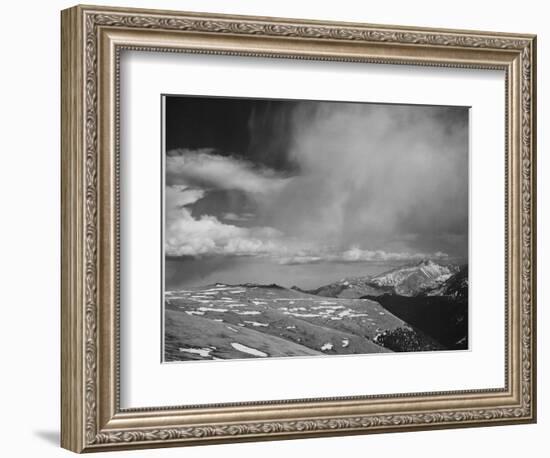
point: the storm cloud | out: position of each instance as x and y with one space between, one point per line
323 182
380 177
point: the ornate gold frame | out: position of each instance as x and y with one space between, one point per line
92 38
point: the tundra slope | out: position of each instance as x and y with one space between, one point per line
248 321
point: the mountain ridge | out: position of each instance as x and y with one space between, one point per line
407 280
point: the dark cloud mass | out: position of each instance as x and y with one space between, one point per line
288 183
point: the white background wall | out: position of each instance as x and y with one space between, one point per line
29 228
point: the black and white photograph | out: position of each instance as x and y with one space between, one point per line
305 228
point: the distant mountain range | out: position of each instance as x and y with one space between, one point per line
416 279
411 280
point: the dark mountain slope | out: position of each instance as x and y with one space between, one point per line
441 317
441 313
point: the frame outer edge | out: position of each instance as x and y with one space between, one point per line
533 252
72 224
81 422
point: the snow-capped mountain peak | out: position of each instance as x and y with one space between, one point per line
414 279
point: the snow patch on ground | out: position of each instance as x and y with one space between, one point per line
249 350
259 303
349 314
204 352
327 307
210 309
248 312
255 323
303 315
